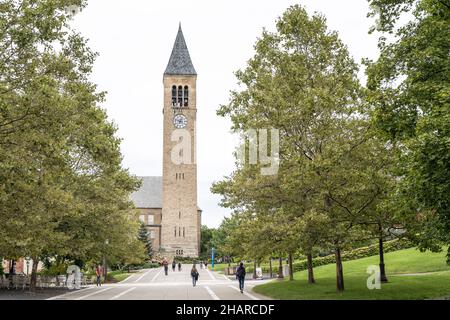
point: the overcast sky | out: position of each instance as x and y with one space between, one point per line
134 39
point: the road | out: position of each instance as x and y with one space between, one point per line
153 284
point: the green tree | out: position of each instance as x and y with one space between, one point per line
206 240
409 88
303 81
144 237
62 187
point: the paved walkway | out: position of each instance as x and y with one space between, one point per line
153 284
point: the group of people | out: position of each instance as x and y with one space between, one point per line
240 272
174 265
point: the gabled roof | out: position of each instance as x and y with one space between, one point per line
180 61
150 193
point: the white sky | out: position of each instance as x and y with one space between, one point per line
135 39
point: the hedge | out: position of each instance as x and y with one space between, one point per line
362 252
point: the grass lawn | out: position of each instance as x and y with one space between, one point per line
409 261
219 266
118 275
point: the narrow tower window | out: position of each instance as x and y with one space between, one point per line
186 96
183 232
174 96
180 96
175 231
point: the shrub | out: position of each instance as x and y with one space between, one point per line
354 254
150 265
55 269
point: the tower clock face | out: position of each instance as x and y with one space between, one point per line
180 121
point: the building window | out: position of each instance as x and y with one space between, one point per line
175 229
184 232
180 96
179 231
186 96
142 218
179 214
174 96
151 219
152 234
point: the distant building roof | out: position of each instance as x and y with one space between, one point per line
150 193
180 61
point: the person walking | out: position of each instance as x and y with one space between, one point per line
201 264
240 275
179 266
173 265
99 274
194 275
166 266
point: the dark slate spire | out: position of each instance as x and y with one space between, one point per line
180 62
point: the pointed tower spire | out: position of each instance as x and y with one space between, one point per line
180 61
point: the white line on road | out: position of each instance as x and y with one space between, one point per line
246 293
156 275
67 294
210 274
211 293
145 273
93 293
123 293
226 277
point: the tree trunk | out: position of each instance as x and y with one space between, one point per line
383 276
280 268
34 274
270 268
105 268
339 270
311 279
254 269
291 272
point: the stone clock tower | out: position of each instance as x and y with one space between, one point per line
181 218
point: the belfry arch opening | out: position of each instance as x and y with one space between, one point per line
180 96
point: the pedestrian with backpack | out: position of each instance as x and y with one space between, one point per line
240 275
194 275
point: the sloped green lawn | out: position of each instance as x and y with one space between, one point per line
406 270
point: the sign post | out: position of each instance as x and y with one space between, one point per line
213 251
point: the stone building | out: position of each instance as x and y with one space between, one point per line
168 204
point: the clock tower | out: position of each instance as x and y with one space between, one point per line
181 218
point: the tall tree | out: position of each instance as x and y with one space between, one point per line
62 187
144 237
409 87
303 82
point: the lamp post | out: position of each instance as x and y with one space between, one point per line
105 267
213 251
